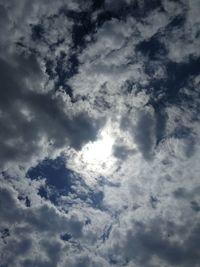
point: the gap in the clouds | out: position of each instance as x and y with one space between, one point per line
97 4
151 5
64 71
59 68
178 22
153 48
38 36
25 199
4 234
49 68
83 27
178 75
137 9
105 16
58 179
96 198
61 181
168 89
54 171
60 73
66 68
66 237
106 233
37 32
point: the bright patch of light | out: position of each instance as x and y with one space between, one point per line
100 151
97 158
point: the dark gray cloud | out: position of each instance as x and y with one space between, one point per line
145 134
122 152
28 116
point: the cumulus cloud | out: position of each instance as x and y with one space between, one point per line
34 120
151 246
99 118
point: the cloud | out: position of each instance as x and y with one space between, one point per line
35 223
151 247
31 120
144 134
68 71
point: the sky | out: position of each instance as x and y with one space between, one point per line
99 133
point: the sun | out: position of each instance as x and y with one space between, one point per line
100 151
97 155
96 158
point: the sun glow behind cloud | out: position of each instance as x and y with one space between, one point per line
96 158
100 151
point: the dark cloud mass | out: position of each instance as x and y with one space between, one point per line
99 133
